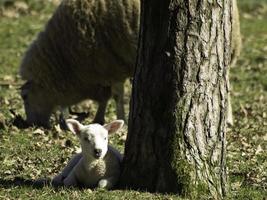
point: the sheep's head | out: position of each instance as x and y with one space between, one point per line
36 104
94 137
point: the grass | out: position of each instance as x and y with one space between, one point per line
28 154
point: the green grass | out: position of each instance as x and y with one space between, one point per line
247 141
29 153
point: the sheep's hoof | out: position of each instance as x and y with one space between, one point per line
18 121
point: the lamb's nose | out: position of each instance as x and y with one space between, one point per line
98 152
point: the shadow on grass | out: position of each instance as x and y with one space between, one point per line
36 184
21 123
21 182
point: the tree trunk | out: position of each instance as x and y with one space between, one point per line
176 138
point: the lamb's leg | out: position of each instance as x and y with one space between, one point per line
107 183
71 181
118 94
100 114
59 179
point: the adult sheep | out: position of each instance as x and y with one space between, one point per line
87 50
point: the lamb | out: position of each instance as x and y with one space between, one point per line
98 165
86 51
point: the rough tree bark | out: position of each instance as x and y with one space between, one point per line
176 140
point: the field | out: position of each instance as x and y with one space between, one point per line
29 154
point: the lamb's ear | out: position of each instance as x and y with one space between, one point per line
114 126
74 126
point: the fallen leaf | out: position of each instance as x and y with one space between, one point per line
123 138
247 16
38 132
58 130
8 78
21 6
259 150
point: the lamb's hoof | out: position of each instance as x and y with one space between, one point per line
103 184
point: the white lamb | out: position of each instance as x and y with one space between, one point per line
98 165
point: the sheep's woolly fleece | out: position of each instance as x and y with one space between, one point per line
87 47
95 41
85 42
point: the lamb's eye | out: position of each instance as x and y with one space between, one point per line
105 138
86 139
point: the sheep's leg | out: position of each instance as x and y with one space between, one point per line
118 94
229 112
100 114
64 114
71 164
107 183
59 179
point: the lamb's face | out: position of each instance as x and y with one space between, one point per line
94 137
94 141
36 104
